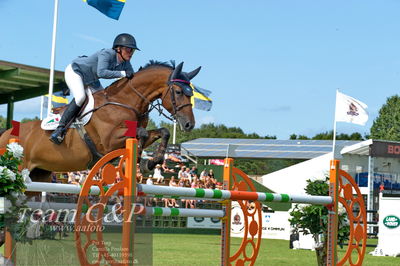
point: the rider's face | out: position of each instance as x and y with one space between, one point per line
126 53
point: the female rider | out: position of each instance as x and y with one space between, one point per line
85 71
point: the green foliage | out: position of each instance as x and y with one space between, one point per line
24 120
263 166
11 179
313 219
212 131
12 186
3 122
387 125
328 135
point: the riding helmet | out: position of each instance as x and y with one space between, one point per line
126 40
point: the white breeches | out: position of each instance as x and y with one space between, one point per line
75 84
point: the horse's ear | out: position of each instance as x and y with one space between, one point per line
177 71
193 73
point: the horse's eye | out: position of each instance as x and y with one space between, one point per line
178 92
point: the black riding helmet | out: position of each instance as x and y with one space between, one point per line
126 40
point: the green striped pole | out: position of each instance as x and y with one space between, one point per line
206 194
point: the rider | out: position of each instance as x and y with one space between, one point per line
86 71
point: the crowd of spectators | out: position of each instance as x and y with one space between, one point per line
183 176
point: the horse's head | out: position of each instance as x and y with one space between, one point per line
176 98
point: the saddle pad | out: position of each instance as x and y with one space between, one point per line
51 122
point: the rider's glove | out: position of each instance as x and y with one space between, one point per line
129 74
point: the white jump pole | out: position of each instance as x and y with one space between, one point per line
58 188
233 195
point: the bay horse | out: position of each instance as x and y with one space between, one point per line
125 99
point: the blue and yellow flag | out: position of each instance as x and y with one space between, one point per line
200 99
57 100
110 8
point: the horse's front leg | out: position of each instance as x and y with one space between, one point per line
150 138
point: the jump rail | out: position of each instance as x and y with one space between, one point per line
236 187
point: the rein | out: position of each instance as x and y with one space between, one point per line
152 106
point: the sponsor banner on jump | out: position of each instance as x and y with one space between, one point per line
389 227
274 225
217 161
204 222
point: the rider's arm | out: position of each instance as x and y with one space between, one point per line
107 59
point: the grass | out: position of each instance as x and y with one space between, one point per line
179 249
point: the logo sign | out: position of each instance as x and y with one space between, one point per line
391 221
237 219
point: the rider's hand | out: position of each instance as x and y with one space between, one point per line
129 74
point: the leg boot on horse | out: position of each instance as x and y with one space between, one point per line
69 114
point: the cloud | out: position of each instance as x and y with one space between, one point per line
282 108
91 38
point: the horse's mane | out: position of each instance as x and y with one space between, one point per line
155 63
150 64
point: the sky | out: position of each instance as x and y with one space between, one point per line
273 66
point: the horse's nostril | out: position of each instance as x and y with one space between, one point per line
188 126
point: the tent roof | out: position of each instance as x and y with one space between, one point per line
20 82
261 148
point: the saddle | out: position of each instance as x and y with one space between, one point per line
78 122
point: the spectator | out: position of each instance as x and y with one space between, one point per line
193 171
73 178
181 173
211 174
82 177
139 175
171 202
203 175
166 169
149 180
158 175
188 175
53 177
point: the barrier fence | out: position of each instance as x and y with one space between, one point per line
236 187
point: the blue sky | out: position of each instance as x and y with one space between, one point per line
273 66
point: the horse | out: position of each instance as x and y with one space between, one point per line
125 99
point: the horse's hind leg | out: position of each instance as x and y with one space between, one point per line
151 137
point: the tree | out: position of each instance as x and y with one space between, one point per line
387 125
3 122
328 135
24 120
313 219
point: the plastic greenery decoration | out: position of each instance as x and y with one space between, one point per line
12 188
313 219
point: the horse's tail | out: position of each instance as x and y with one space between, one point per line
2 130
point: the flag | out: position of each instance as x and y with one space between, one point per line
200 99
58 100
110 8
350 110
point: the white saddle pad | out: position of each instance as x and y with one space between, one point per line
51 122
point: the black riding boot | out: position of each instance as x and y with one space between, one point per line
58 135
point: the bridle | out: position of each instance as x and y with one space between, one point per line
173 101
156 105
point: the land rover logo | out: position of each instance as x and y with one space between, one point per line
391 221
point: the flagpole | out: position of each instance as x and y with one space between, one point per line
334 129
52 60
41 107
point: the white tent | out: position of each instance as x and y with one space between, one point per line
293 179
